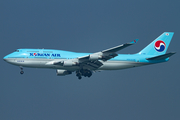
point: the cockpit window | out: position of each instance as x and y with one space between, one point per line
16 50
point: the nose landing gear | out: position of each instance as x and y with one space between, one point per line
21 72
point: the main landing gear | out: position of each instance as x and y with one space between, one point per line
83 72
21 72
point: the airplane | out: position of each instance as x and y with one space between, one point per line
84 64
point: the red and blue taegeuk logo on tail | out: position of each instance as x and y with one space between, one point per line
160 46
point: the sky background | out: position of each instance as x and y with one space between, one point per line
142 93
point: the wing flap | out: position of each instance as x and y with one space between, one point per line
91 64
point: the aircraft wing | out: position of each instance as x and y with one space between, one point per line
94 61
119 47
106 54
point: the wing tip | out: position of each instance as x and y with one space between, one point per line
134 41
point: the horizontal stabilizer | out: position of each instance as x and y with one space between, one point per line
160 57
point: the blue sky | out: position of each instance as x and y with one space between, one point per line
149 92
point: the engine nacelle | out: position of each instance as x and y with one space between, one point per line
63 72
69 63
94 57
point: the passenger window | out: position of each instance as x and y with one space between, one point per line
16 50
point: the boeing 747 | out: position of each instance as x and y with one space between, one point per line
66 62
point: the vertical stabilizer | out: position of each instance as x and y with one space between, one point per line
159 46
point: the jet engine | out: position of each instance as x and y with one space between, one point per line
69 63
62 72
94 57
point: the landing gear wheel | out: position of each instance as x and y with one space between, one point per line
79 77
78 74
90 73
22 72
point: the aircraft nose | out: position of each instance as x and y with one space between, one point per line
5 58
